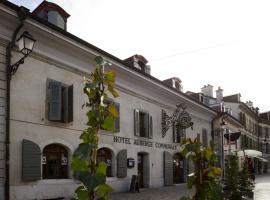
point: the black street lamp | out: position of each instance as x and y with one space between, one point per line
26 44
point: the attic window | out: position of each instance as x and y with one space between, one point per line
55 18
173 83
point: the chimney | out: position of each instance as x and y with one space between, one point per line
207 90
52 13
219 95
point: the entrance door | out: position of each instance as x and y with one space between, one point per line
178 169
140 169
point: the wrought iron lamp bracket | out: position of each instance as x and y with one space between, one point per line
180 117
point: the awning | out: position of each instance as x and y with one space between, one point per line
249 153
262 159
233 136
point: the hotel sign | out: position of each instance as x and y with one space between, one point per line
129 141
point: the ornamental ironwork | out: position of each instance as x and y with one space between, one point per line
180 117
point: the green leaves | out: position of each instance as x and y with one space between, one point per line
99 60
108 123
101 169
205 179
82 193
83 151
103 190
91 181
112 109
79 165
110 77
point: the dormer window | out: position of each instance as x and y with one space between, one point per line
52 13
55 18
173 83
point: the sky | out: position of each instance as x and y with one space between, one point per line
223 43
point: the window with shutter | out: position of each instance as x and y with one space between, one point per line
143 124
136 122
31 161
178 133
55 101
60 102
150 127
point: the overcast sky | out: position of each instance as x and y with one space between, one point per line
222 43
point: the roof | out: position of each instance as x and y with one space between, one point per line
85 43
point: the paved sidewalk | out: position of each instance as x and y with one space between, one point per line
164 193
262 187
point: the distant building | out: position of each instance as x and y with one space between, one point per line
253 125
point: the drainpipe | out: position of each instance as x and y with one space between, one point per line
22 14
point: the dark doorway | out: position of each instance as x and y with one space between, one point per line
140 169
178 169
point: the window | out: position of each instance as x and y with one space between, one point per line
55 162
178 133
60 102
143 124
55 18
105 155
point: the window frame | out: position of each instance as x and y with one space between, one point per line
67 102
137 123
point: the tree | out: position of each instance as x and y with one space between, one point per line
238 184
231 182
100 115
205 178
246 185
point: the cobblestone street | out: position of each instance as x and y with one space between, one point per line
261 192
164 193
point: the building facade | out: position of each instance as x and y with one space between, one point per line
46 118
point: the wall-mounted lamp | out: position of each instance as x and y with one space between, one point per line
26 44
223 125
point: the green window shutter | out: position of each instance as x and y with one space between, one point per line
146 124
70 104
150 127
55 101
117 120
204 138
31 161
122 164
136 122
168 168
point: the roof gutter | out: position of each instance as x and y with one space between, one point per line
22 13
